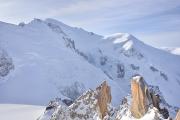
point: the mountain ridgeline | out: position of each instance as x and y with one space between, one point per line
45 59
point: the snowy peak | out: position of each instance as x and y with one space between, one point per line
120 37
63 59
58 23
127 41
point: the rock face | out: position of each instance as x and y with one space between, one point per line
104 97
6 63
95 105
91 105
143 99
83 108
178 115
139 104
155 100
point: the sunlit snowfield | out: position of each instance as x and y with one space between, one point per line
20 112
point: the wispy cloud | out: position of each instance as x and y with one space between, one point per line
161 39
141 17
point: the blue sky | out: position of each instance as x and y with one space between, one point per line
156 22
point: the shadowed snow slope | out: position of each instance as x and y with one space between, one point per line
52 59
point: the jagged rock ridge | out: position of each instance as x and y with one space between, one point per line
89 106
95 105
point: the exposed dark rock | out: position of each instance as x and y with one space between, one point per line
6 64
134 67
154 69
22 24
155 100
53 104
164 112
73 91
120 71
110 77
164 76
67 102
56 28
103 60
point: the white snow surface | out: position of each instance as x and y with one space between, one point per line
49 56
20 112
173 50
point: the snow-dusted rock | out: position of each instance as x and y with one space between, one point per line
92 105
89 106
6 64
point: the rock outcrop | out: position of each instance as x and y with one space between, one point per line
155 100
6 63
178 115
91 105
95 105
140 102
143 99
104 98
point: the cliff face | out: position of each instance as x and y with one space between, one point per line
143 104
143 99
140 94
104 98
178 115
93 104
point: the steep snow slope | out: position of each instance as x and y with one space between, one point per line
44 68
52 59
121 55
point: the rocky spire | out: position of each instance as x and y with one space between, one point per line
178 115
103 97
142 99
140 102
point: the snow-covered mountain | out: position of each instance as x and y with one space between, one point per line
45 59
173 50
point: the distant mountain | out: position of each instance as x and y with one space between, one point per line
45 59
172 50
